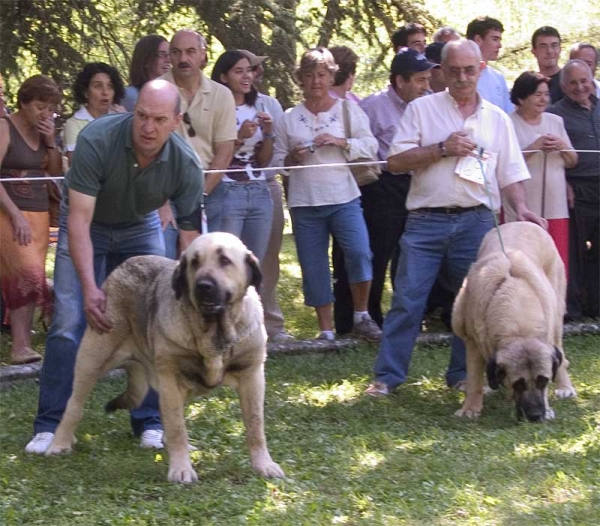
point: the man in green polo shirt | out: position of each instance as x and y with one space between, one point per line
124 168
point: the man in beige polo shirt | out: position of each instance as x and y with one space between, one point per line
208 123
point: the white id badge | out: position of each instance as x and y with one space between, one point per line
470 167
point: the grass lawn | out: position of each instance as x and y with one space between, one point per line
349 459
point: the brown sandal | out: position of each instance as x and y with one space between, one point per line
25 355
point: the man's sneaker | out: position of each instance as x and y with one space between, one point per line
377 390
40 443
367 329
152 439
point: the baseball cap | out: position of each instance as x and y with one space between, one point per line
254 59
407 59
433 52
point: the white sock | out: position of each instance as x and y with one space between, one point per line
358 315
329 335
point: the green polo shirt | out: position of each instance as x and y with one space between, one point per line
105 167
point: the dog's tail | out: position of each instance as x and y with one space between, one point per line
134 394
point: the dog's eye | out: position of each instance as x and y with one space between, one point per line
520 386
541 381
195 262
224 260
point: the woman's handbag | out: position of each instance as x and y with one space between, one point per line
364 174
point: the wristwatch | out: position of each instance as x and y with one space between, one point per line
442 149
269 136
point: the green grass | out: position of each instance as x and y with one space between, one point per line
349 459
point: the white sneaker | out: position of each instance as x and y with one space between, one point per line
152 439
40 443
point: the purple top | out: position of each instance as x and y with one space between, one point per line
384 109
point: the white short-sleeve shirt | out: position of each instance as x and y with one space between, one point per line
430 120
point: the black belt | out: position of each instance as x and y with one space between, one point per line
452 209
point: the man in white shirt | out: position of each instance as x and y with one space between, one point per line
487 32
449 209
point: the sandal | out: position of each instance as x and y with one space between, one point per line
377 389
25 355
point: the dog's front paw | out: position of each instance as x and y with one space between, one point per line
270 470
184 474
468 412
550 414
566 392
59 448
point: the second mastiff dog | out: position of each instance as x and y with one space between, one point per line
183 328
509 312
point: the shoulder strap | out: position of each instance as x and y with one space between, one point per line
346 117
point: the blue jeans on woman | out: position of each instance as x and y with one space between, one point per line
431 241
312 228
112 244
247 212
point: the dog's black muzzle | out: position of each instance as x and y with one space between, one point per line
209 296
531 407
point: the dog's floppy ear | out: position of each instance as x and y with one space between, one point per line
179 281
556 361
494 375
254 273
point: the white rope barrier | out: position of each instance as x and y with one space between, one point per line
276 169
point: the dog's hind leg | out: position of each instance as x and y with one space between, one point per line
137 388
89 367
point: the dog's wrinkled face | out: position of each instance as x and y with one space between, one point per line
525 367
215 272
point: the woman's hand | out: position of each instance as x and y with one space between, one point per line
265 121
21 229
247 129
296 156
45 127
326 139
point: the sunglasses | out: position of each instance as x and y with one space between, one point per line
188 121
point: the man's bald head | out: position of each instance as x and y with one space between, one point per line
163 92
156 115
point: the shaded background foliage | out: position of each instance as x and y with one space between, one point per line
56 37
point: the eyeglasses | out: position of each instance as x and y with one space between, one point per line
162 54
188 121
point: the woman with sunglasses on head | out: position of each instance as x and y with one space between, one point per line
150 60
247 204
324 201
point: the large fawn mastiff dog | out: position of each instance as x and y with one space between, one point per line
183 328
509 312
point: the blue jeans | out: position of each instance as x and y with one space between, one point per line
248 214
431 241
312 227
112 244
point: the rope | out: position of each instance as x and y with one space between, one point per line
280 169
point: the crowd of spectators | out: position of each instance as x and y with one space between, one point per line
445 106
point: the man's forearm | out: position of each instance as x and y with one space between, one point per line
514 194
414 159
82 252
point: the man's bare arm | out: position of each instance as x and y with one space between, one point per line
221 161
